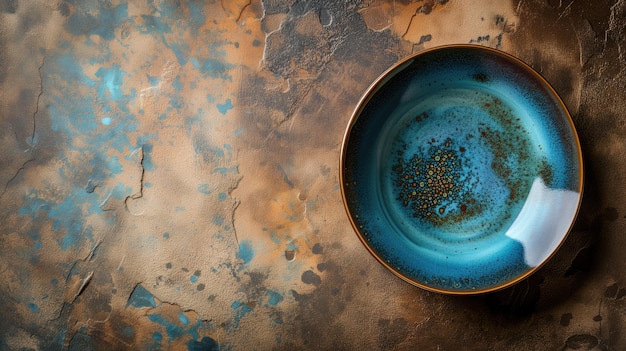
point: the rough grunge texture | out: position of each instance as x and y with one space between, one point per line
169 176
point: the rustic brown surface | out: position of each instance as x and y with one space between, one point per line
168 176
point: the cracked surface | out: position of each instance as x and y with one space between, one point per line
169 176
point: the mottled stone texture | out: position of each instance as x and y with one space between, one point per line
168 176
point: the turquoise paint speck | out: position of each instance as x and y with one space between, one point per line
183 319
153 80
162 116
193 278
223 108
166 235
128 331
114 165
204 188
33 307
224 170
195 62
245 253
274 297
54 281
156 336
274 237
147 184
242 310
238 132
106 121
222 197
177 84
292 246
218 220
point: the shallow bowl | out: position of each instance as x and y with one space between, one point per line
461 170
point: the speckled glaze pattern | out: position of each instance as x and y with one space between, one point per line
461 170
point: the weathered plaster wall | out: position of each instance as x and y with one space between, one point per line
168 176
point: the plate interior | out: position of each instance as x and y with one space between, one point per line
461 170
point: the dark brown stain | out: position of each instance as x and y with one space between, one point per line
565 319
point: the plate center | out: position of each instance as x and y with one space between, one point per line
457 166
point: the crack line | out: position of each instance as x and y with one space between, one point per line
243 9
138 194
32 137
6 186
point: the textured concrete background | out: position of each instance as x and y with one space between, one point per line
168 176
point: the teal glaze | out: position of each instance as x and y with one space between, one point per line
461 170
140 297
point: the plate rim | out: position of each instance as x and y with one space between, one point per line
370 92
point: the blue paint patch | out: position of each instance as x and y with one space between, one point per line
274 237
218 220
210 99
292 246
205 189
146 162
183 319
213 68
194 62
153 25
274 297
180 49
276 318
154 80
33 307
111 82
166 235
68 214
222 197
106 121
208 152
225 170
128 332
174 330
241 310
156 336
223 108
196 16
177 84
206 344
147 185
108 19
114 165
245 252
140 297
193 278
162 116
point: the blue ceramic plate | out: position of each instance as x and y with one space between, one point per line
461 170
